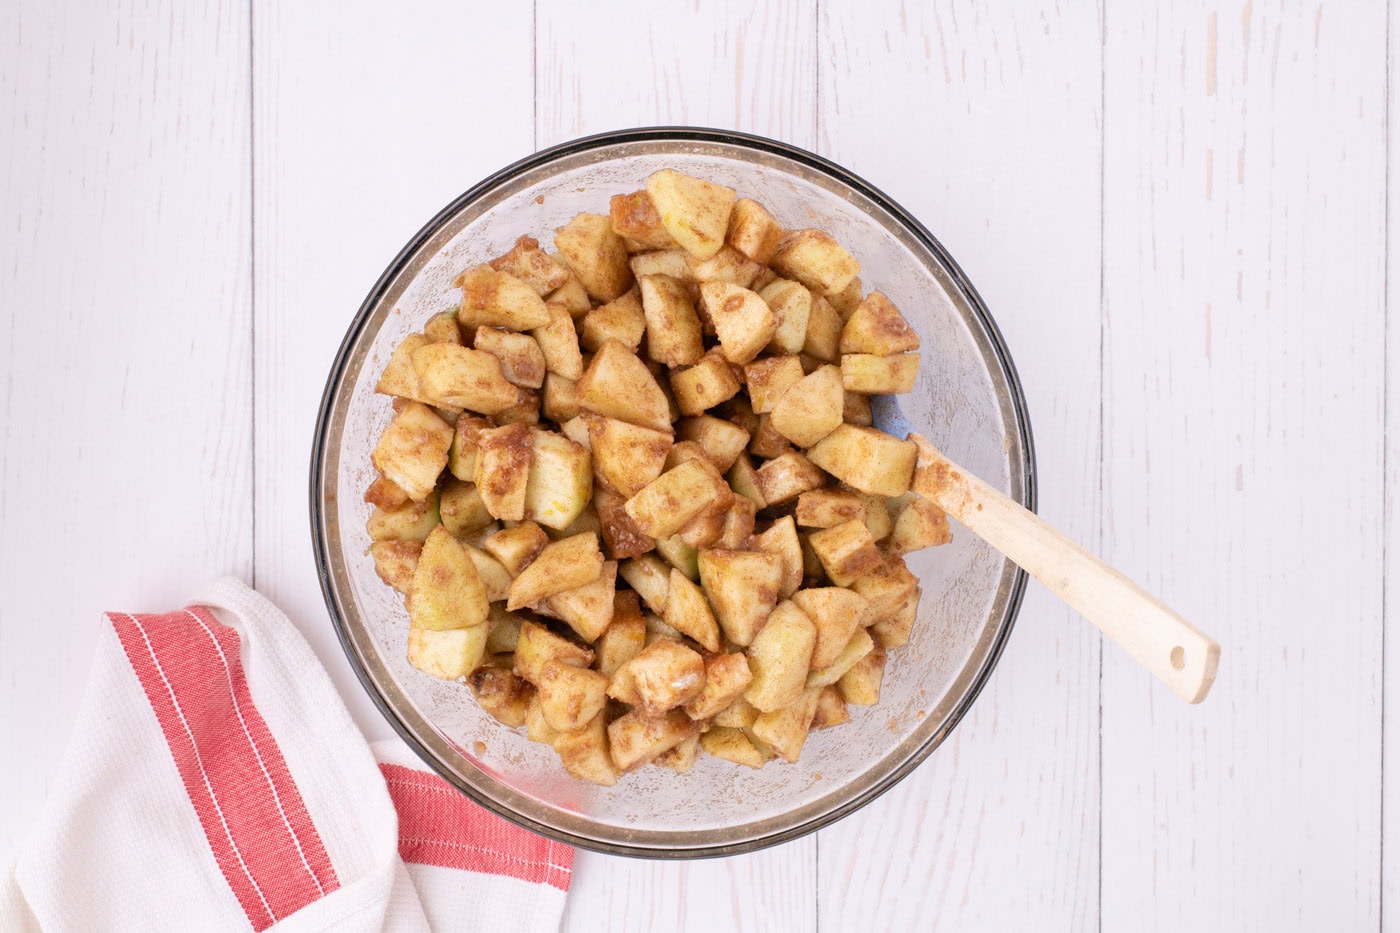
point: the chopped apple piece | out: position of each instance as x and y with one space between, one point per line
861 684
522 360
618 384
491 298
694 212
503 470
918 524
650 576
815 259
588 609
767 379
625 456
781 541
560 480
831 709
625 636
858 647
704 385
620 534
562 565
787 477
879 375
399 378
448 654
532 265
596 255
823 337
836 613
570 696
727 676
732 745
791 304
743 588
723 441
847 551
877 327
743 321
688 612
826 508
780 658
635 739
412 451
462 509
810 409
634 217
446 591
621 320
502 694
558 341
516 547
753 231
671 500
464 378
584 753
411 521
395 561
866 458
785 730
537 645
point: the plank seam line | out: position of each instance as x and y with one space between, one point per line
1103 393
252 313
1385 466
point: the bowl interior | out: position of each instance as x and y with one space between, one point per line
966 401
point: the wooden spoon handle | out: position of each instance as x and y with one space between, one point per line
1181 655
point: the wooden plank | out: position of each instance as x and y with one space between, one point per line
749 67
736 65
999 829
362 133
1390 718
1244 280
124 342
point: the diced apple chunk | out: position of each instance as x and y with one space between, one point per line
449 654
596 255
743 588
836 613
562 565
879 375
412 451
635 739
810 409
815 259
866 458
694 212
753 231
780 658
877 327
689 612
491 298
743 321
618 384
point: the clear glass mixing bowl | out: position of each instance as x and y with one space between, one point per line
967 401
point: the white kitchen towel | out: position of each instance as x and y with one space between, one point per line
215 782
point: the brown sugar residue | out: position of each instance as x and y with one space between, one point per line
539 199
480 747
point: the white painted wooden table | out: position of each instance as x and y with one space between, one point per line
1179 214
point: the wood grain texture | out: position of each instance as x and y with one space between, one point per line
984 122
743 66
124 350
750 67
1244 351
362 135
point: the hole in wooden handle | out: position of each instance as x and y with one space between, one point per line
1178 658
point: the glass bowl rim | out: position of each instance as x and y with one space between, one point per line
1026 495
